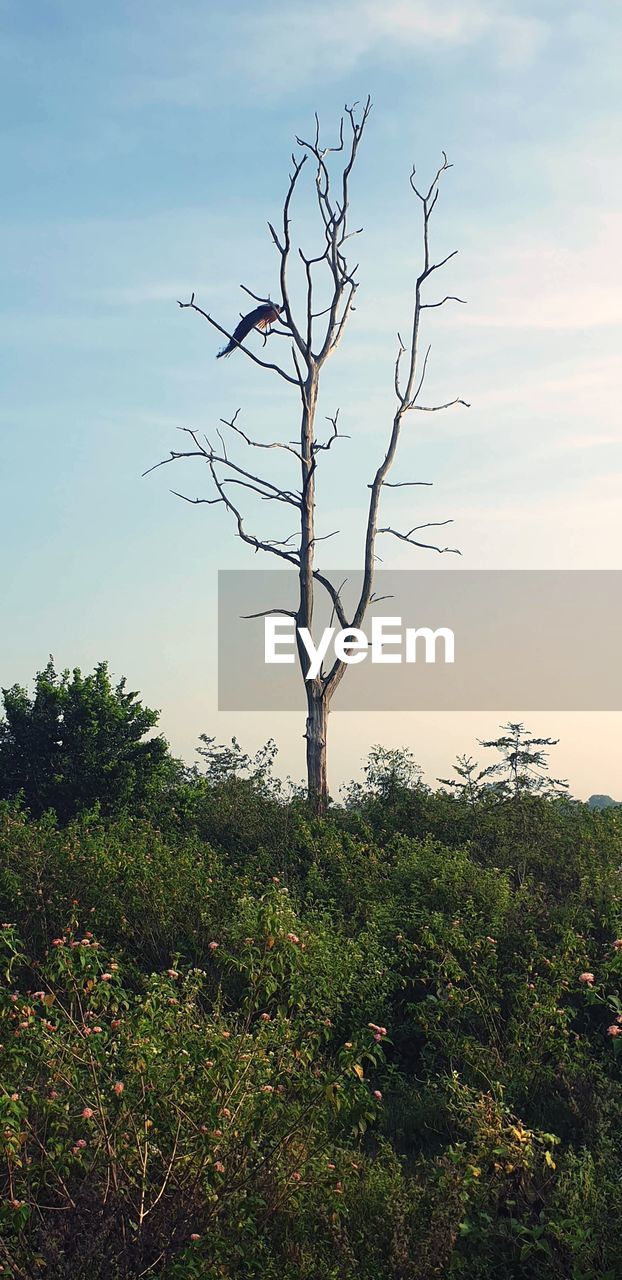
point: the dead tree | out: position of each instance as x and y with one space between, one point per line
312 337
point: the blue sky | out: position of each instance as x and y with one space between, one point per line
145 145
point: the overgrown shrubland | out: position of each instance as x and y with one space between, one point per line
237 1041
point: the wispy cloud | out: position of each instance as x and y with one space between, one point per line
277 46
296 43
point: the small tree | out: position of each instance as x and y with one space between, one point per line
313 335
524 765
79 741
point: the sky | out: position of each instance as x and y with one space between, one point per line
144 148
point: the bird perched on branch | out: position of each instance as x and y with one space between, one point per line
260 318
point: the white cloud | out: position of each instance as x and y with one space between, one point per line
289 43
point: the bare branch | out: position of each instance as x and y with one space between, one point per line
268 613
405 484
450 297
430 524
435 408
258 444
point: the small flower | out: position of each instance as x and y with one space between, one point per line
81 1143
172 973
57 942
587 979
381 1031
97 1031
195 1235
617 945
265 1017
377 1037
118 1087
114 967
53 1094
213 946
219 1166
614 1030
106 977
15 1097
267 1088
348 1044
338 1189
88 1113
296 1177
116 1022
377 1094
293 937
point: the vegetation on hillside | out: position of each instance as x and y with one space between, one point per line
238 1041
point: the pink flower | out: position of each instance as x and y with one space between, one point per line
377 1036
267 1088
53 1094
57 942
81 1143
377 1094
106 977
293 937
381 1031
116 1022
213 946
195 1236
587 979
88 1113
617 945
118 1087
296 1177
265 1017
172 973
96 1031
15 1097
348 1044
219 1166
614 1030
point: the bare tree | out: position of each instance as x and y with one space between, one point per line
313 336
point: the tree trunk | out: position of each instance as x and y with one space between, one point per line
317 716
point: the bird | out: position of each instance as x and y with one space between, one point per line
260 318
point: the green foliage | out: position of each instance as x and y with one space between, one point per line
77 743
241 1042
